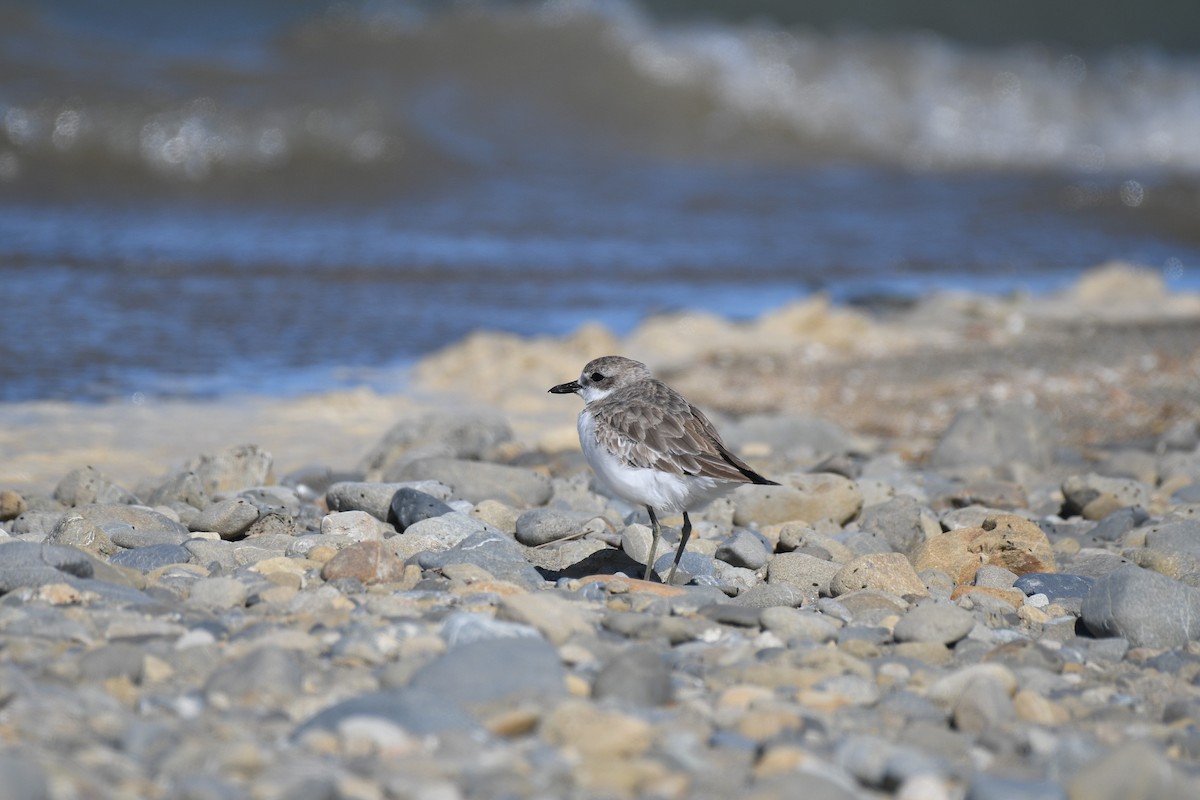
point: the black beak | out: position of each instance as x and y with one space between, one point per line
566 388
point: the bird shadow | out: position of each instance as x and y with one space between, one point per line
603 562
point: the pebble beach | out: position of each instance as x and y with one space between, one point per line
980 577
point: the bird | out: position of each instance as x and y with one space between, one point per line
652 447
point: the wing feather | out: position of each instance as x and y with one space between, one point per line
649 425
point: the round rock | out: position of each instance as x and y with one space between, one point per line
934 622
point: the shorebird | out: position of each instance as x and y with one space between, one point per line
652 447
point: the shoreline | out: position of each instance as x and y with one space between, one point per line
1113 359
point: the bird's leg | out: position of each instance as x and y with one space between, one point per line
683 537
653 544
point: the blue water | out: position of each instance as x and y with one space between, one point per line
281 198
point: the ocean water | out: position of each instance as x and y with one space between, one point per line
288 196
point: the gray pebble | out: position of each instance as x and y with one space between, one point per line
151 557
218 593
803 572
1117 523
1148 609
410 506
22 777
182 487
489 670
998 787
493 552
229 518
376 498
996 577
744 549
1055 585
267 675
1095 496
539 526
934 622
637 677
88 485
417 710
900 524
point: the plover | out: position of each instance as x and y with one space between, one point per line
651 446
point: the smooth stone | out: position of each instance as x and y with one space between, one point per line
269 675
1133 770
376 498
556 618
809 497
410 506
358 526
490 670
492 551
635 542
807 574
1181 536
134 526
1144 607
218 593
113 661
21 776
233 469
983 705
88 485
181 487
206 552
730 614
539 526
438 534
369 562
1095 496
464 627
414 710
1055 585
995 576
996 437
1025 654
999 787
770 595
1119 522
229 518
24 564
476 481
886 572
638 677
35 523
75 531
900 524
934 622
693 566
428 435
794 624
744 549
151 557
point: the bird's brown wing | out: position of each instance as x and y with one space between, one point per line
652 426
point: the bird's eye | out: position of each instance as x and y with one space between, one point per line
596 377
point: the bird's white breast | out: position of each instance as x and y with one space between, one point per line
663 491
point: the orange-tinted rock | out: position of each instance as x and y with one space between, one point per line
369 562
1004 540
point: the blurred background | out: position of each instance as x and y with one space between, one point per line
290 196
